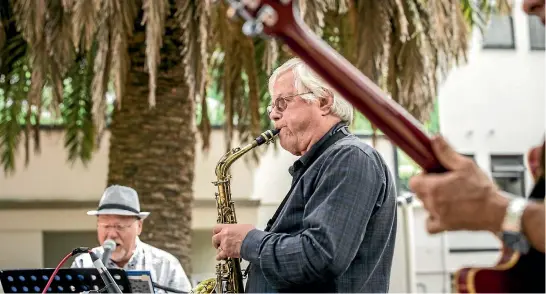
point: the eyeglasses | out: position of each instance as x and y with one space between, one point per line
118 227
282 102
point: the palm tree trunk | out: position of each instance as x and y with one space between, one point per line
153 150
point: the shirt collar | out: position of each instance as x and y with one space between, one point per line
305 159
138 254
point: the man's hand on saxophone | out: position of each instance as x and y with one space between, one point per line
228 238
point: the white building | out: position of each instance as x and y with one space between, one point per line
492 109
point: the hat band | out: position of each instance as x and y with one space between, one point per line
118 206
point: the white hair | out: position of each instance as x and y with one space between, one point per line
306 80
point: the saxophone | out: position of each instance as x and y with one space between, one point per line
229 278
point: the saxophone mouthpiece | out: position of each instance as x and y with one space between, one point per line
267 136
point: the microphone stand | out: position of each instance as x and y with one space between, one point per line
105 274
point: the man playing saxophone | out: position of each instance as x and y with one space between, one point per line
336 228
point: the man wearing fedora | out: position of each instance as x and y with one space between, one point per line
119 219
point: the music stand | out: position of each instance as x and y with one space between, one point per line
67 280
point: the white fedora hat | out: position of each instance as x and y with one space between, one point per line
119 200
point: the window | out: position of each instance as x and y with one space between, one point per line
508 172
499 33
536 34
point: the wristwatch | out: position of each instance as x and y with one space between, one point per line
511 233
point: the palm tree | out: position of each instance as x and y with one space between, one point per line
59 57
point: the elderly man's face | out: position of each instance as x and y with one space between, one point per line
121 229
535 7
296 119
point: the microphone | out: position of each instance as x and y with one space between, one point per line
109 247
104 274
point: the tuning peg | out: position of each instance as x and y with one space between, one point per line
252 28
268 15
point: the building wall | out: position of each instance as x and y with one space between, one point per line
21 233
493 105
50 177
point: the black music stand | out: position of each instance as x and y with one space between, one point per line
67 280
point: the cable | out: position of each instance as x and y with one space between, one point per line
167 288
55 272
74 252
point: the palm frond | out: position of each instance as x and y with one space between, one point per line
313 14
155 12
102 65
194 19
2 34
251 70
85 13
58 34
14 51
401 45
34 101
59 51
30 17
477 13
224 32
202 78
31 21
13 114
77 110
270 56
232 86
373 27
4 22
45 27
413 82
123 18
16 115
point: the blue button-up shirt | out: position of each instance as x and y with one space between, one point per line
337 230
